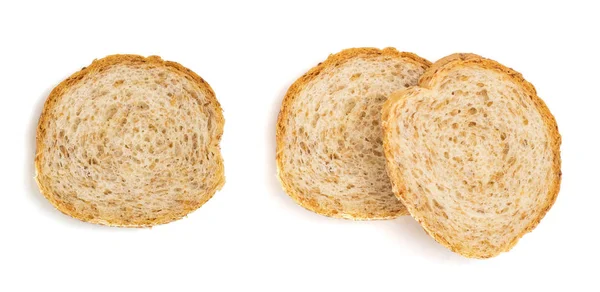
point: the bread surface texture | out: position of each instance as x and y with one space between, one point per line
473 153
130 141
329 148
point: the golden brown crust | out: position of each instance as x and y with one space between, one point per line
100 65
441 63
437 71
333 60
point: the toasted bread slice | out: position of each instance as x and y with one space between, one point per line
130 141
473 153
329 149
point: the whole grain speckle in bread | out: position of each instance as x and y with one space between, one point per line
473 153
329 149
130 141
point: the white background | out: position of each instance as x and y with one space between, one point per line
251 235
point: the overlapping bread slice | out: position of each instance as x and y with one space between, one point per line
473 153
329 149
130 141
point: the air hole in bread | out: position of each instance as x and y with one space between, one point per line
505 149
437 205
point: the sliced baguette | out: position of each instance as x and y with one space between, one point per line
473 153
130 141
329 150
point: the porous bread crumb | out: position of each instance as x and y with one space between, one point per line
473 153
130 141
329 148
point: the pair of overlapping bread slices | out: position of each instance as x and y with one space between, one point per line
463 145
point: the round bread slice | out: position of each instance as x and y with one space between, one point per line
329 148
473 153
130 141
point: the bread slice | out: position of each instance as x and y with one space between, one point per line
473 153
130 141
329 149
